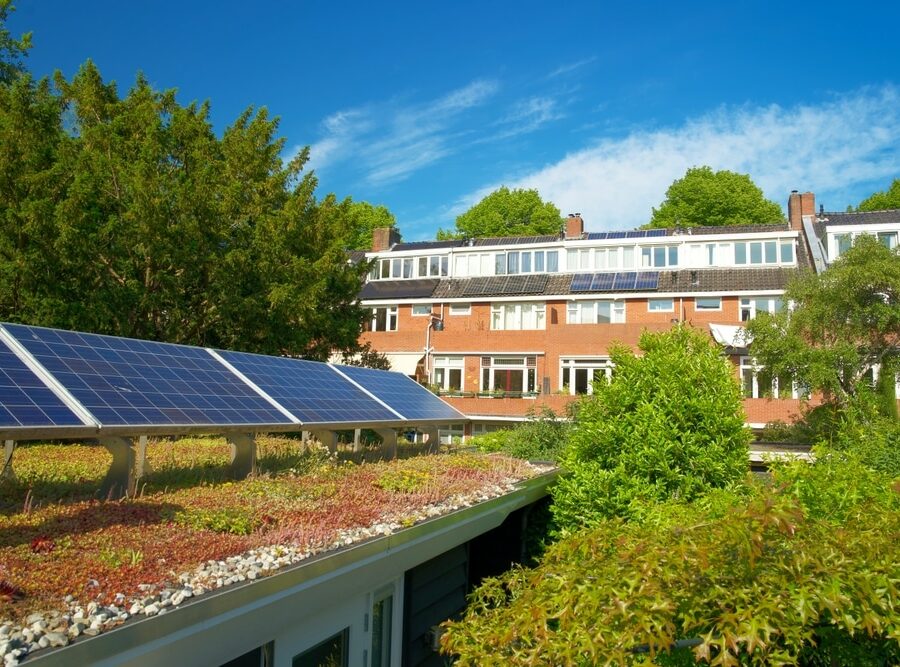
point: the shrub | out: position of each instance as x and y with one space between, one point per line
541 438
668 425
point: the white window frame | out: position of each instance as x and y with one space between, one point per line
507 363
651 309
648 256
422 306
512 316
457 309
591 365
389 318
750 370
446 364
750 304
586 312
707 309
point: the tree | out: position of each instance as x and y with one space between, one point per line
843 322
507 212
12 50
669 424
363 219
141 222
705 198
880 201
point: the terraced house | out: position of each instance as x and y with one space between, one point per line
504 326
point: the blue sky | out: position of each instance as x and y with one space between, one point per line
425 107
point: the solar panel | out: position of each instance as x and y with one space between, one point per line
647 280
25 400
127 382
404 395
581 282
656 232
597 236
624 281
616 235
311 391
602 282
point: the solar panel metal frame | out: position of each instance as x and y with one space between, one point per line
624 281
602 282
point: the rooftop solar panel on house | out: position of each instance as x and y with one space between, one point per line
655 232
647 280
616 235
404 395
310 390
624 281
596 236
602 282
127 382
581 282
25 400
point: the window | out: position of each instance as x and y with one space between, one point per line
842 243
787 252
509 375
384 319
659 256
888 239
708 303
421 309
382 613
661 305
448 373
538 261
577 376
525 262
595 312
756 382
628 257
552 261
750 306
460 309
500 263
507 316
710 254
578 259
512 262
332 651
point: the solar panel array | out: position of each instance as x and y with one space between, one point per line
621 281
522 284
403 394
69 381
636 234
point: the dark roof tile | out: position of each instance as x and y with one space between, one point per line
399 289
891 216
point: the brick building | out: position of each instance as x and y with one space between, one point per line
503 326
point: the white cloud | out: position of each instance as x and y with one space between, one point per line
570 67
527 116
827 148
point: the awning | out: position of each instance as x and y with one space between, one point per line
730 335
404 362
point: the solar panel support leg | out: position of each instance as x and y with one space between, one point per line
141 467
9 447
243 455
388 442
327 438
357 432
120 478
433 440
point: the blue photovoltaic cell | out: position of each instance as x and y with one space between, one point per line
602 282
25 400
656 232
581 282
617 235
647 280
596 236
312 391
404 395
624 281
126 382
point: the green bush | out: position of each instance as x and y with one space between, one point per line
541 438
669 424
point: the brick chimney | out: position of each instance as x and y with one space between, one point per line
384 237
574 226
799 206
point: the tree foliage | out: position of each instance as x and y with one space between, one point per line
880 201
507 212
668 424
802 572
12 50
704 198
364 217
137 220
843 322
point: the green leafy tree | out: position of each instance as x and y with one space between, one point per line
364 217
140 221
12 50
880 201
843 322
507 212
706 198
668 425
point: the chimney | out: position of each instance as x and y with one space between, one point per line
800 206
384 237
574 226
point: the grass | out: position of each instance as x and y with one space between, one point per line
57 539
